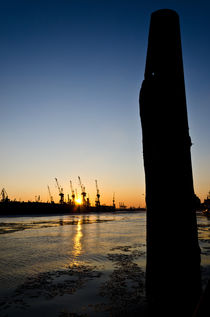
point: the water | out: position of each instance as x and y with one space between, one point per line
77 264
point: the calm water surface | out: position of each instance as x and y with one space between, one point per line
88 253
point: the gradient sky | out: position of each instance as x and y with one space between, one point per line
70 74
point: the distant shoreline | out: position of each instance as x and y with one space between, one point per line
13 208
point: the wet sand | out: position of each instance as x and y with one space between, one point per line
83 290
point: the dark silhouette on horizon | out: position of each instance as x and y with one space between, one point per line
173 282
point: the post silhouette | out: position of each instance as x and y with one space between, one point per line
173 253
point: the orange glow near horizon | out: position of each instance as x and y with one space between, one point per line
129 196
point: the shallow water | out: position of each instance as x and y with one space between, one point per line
77 265
69 259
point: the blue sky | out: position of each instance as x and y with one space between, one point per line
69 84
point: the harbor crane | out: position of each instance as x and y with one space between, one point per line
113 201
88 201
72 193
97 202
4 196
60 190
83 193
37 199
51 197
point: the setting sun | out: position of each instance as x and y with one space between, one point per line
78 201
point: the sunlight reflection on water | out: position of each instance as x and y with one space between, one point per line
77 247
30 245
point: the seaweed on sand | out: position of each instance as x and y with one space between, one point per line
125 287
51 284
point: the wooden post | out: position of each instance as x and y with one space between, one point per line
173 253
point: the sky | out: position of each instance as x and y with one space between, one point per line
70 75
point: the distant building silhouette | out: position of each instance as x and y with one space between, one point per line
173 254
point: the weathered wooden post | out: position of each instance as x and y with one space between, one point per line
173 254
